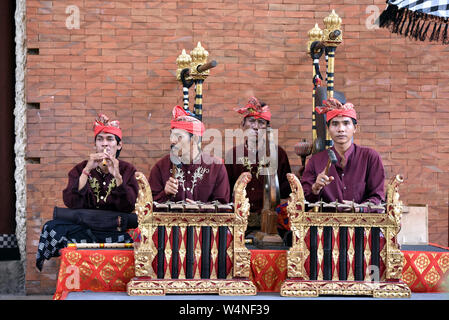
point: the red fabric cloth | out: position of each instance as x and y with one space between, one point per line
185 121
111 269
426 271
95 270
254 109
333 108
268 269
102 124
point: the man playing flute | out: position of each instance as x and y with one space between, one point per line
358 174
188 174
101 193
256 116
103 181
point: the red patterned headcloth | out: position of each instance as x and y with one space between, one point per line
102 124
254 109
184 120
333 108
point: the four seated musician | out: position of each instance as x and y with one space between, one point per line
256 116
100 195
188 174
358 174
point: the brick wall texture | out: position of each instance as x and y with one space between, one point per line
122 61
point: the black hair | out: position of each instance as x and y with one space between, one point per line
354 121
117 153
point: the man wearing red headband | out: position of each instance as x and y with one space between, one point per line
188 174
103 181
358 174
256 116
100 196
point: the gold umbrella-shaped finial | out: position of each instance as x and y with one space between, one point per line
315 34
183 61
199 57
332 34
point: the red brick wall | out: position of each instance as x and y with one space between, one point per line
121 61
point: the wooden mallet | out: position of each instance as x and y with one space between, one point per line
332 160
176 162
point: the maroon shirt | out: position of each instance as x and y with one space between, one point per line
361 180
203 182
100 191
255 187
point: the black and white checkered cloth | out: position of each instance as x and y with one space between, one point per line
439 8
417 19
8 241
56 234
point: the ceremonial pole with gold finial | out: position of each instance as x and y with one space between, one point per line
323 41
183 61
331 38
304 148
194 68
315 34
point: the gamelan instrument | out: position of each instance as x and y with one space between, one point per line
207 235
339 251
271 191
303 149
187 207
192 248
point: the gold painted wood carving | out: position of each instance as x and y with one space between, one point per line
234 287
147 282
345 288
388 284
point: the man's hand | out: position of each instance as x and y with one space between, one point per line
171 186
113 168
94 161
321 181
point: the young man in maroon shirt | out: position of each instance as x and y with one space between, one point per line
103 181
100 196
357 176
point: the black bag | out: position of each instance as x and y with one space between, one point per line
100 220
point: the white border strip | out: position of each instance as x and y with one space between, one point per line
20 132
